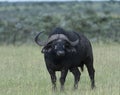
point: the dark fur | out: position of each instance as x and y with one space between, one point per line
74 57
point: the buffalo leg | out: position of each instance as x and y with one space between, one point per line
53 79
91 72
62 78
76 74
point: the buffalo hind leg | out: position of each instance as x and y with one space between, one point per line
62 78
76 73
53 79
91 72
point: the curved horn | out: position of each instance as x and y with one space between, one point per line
73 43
62 36
53 37
40 43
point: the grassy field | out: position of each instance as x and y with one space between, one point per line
23 72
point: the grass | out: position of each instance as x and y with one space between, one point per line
23 72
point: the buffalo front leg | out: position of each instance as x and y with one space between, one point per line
62 79
76 73
53 79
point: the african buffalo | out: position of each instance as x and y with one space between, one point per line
67 50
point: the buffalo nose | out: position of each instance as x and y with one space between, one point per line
60 53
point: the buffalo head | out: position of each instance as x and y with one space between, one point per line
58 44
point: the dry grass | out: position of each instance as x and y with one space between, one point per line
23 72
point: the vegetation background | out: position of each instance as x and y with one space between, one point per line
22 68
20 22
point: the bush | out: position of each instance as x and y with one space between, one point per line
20 22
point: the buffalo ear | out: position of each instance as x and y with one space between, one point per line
43 50
72 49
46 49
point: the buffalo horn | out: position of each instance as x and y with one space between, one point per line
40 43
62 36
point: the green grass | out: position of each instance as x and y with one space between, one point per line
23 72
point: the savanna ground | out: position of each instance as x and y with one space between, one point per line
23 72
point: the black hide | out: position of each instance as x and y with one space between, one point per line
60 55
